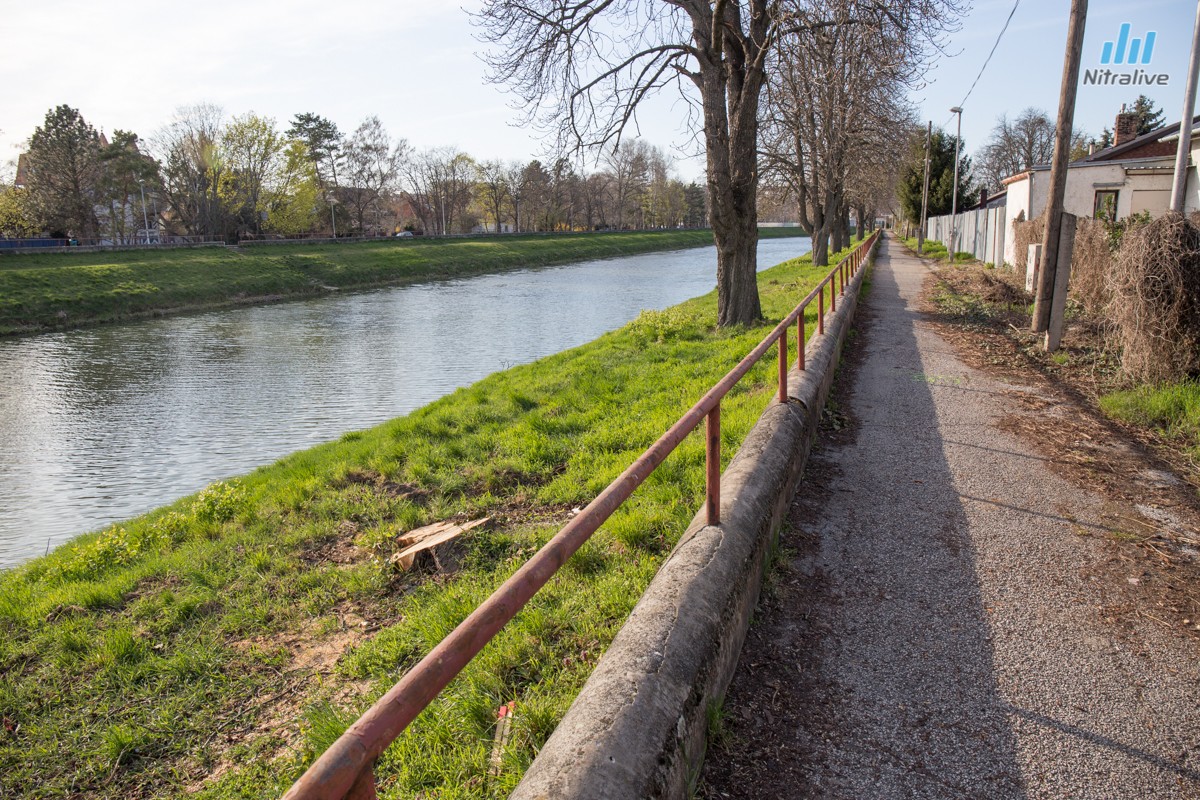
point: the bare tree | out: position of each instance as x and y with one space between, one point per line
372 168
835 100
1018 145
586 65
438 185
493 189
515 178
629 166
193 168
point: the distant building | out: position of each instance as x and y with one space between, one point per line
1131 177
22 171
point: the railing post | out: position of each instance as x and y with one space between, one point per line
712 465
832 297
821 311
364 786
783 366
800 341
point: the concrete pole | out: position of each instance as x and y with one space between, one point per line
925 188
954 193
1179 188
1058 307
1058 168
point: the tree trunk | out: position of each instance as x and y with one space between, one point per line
841 227
730 79
820 247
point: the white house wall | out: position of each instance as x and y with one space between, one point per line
1191 197
1136 191
1018 199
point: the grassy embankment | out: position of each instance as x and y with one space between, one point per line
217 644
63 290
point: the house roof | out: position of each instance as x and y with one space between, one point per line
1020 176
1158 134
1109 155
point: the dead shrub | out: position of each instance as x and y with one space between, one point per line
1092 263
1155 286
1026 233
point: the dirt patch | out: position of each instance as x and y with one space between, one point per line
383 485
336 548
272 722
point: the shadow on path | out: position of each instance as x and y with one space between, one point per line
870 673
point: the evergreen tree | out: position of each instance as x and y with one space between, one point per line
1149 117
941 177
64 173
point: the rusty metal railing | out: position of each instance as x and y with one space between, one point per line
346 769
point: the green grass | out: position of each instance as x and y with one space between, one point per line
1174 410
61 290
175 650
935 250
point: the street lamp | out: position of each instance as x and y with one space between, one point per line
954 201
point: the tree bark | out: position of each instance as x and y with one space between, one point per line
730 82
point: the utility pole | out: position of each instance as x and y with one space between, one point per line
1179 188
1058 168
954 201
925 189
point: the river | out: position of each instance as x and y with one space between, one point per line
103 424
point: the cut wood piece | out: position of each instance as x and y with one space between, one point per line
420 534
432 539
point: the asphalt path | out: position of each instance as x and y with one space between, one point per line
938 628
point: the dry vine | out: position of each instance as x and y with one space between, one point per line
1155 285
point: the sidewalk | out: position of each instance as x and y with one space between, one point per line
938 628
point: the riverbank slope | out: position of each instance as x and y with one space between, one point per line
219 643
68 290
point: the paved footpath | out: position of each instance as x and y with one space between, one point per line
940 627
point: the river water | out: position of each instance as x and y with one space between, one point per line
103 424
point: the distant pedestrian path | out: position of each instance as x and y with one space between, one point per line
940 629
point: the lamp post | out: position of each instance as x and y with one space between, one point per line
145 219
954 195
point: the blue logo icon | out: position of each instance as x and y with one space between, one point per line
1126 51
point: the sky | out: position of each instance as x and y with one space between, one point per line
129 64
1026 70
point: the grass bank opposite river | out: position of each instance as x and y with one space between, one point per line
41 292
217 645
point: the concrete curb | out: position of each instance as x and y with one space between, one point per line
638 728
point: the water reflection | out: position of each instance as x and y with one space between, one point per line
104 424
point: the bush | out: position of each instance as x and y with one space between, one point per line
219 502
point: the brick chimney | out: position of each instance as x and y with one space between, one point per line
1126 128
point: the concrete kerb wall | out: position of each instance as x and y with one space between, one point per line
638 728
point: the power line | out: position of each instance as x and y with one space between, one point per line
987 61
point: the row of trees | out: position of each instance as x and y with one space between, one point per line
206 175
